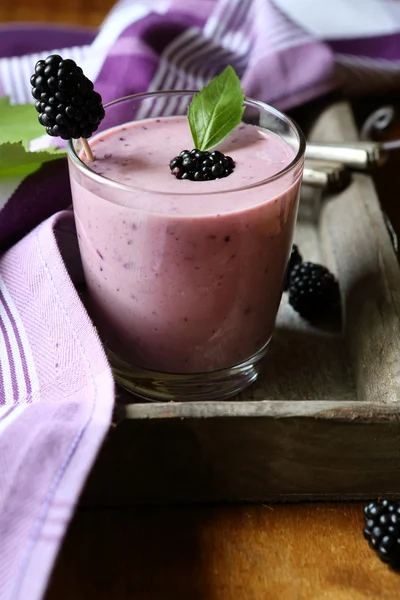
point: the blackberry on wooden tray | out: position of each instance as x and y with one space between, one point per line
382 530
313 289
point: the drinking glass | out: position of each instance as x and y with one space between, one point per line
185 303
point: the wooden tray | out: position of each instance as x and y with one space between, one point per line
322 422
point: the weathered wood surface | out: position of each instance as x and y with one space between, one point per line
322 422
305 552
356 245
241 458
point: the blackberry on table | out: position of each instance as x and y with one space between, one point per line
66 102
382 530
199 165
312 289
294 260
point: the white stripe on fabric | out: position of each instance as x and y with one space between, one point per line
280 33
238 41
193 81
182 45
174 76
16 412
205 74
197 78
27 66
289 41
5 363
178 77
15 358
199 73
183 42
121 16
15 72
237 54
228 34
217 51
283 33
217 18
6 78
18 80
29 360
179 107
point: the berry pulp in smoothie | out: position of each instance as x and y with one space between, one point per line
184 276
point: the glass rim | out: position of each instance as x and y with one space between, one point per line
84 168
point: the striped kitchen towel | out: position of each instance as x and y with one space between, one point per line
56 388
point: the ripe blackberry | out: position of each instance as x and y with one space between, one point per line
198 165
312 289
67 104
382 530
294 260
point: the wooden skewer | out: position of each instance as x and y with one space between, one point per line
88 149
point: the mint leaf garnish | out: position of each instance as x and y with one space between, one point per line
18 127
18 122
15 160
216 110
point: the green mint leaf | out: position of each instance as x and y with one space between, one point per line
216 110
15 160
18 123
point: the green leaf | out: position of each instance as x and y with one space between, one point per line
15 160
18 123
216 110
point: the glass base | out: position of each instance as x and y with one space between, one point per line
186 387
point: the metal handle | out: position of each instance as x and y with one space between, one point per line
354 155
329 176
380 124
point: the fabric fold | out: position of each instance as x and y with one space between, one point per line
52 428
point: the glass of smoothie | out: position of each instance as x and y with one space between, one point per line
184 278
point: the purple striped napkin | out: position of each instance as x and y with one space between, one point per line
56 388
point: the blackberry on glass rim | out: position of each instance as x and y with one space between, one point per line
66 102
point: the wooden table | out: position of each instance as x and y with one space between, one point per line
285 552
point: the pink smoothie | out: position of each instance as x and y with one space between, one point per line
184 276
